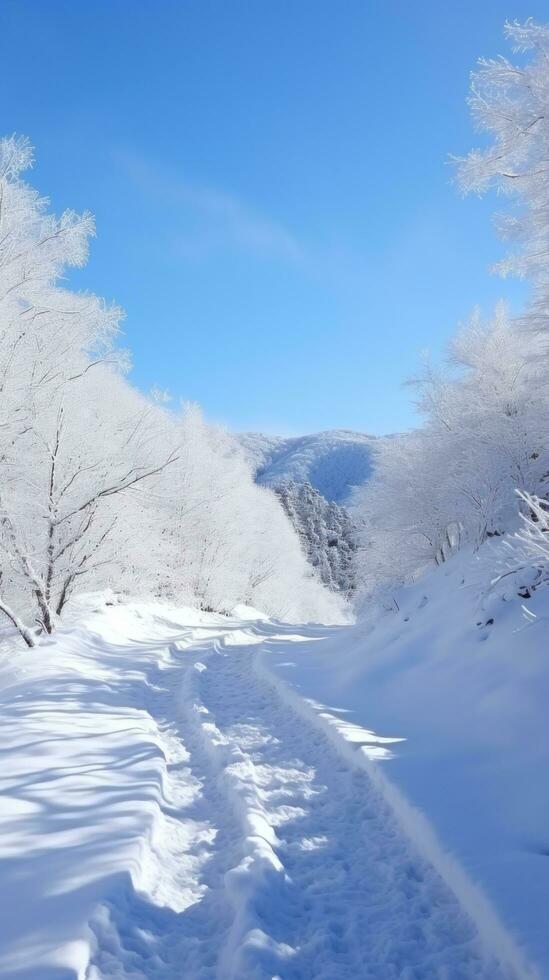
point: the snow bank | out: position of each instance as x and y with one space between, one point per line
90 780
467 690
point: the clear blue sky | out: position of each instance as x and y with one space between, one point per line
273 206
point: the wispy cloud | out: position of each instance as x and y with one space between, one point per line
210 218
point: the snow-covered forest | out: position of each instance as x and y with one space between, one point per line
479 466
327 532
101 484
275 708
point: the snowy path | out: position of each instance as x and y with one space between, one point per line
309 875
269 854
328 887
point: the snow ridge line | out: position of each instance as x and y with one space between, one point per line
497 941
260 867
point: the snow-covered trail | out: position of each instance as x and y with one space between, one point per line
309 874
328 886
265 853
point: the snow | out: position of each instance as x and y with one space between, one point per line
332 462
171 807
467 701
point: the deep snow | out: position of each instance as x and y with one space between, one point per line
171 808
465 683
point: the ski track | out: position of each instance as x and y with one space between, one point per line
303 871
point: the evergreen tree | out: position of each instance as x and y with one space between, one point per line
327 534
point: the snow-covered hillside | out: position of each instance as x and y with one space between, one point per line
171 808
332 462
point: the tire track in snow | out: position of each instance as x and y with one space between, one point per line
328 886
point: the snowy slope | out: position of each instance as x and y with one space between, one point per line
332 461
171 811
469 697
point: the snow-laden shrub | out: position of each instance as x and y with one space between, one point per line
523 559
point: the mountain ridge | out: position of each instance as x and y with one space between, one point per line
332 461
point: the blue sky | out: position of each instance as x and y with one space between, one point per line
274 207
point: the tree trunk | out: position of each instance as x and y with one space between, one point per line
45 612
19 625
64 596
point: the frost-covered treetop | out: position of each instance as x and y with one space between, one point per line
510 102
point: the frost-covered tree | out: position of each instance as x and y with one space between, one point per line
509 102
454 481
100 485
49 339
69 439
327 533
487 422
486 431
86 455
226 539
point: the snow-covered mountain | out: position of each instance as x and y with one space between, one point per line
332 462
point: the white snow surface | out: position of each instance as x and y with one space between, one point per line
333 462
465 683
171 807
